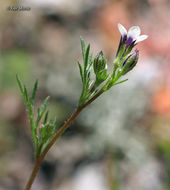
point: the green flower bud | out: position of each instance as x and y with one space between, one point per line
100 69
130 62
99 63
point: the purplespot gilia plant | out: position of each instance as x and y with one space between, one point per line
43 130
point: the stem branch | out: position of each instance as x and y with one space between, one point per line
40 159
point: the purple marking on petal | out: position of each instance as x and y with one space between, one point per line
124 37
136 54
126 59
122 41
125 62
129 41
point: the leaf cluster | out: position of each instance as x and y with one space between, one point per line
85 73
100 69
41 131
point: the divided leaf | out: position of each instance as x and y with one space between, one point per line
42 138
41 111
85 72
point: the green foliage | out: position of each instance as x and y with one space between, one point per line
85 73
91 88
41 131
46 131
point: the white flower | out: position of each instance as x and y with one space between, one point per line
133 34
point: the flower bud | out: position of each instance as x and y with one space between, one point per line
100 69
130 62
122 47
99 63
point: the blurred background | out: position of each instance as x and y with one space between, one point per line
122 140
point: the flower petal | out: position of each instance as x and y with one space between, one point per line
129 41
122 30
134 32
141 38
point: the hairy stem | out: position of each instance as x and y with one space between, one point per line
40 159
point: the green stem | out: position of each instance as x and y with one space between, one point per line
40 159
103 89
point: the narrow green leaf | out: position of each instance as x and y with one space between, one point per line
20 84
90 85
90 62
88 75
44 105
46 117
81 71
34 90
82 47
41 111
120 82
25 94
38 120
87 56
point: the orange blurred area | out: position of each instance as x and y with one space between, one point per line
161 102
